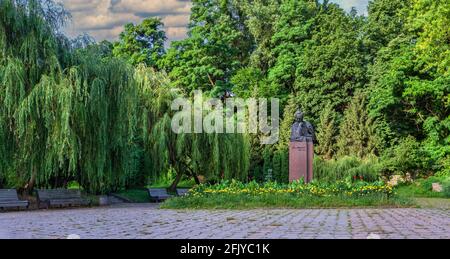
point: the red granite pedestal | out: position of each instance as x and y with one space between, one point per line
301 158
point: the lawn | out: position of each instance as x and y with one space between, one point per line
433 203
422 188
417 191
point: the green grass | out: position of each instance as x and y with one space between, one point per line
421 188
414 191
421 192
74 186
135 195
225 201
434 203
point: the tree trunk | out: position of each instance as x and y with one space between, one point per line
30 185
197 181
173 187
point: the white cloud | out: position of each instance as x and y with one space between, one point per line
155 7
104 19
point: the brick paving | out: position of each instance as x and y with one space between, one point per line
149 222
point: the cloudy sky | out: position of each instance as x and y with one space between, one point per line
104 19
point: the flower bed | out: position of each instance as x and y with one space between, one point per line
237 195
295 189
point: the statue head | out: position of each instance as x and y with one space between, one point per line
299 116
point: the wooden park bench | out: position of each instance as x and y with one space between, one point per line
60 198
9 199
158 195
182 192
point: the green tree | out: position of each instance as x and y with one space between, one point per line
292 29
61 123
142 43
331 67
319 55
409 87
261 32
385 22
215 49
327 132
213 156
28 49
286 123
357 136
250 82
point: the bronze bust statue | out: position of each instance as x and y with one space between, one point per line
302 131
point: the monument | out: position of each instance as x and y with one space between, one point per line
301 149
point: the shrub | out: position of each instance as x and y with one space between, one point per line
12 180
427 183
408 157
348 169
446 187
445 171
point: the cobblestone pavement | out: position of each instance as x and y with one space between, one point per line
147 221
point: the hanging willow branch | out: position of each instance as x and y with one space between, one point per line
79 115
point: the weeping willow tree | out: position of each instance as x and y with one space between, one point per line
104 122
79 125
78 114
62 123
29 48
214 156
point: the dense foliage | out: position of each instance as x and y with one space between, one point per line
142 43
347 169
81 114
447 187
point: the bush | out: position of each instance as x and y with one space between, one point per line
446 187
348 169
427 183
11 180
445 171
408 157
422 188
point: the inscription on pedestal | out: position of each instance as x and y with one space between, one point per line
301 157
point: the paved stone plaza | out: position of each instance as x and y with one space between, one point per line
147 221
